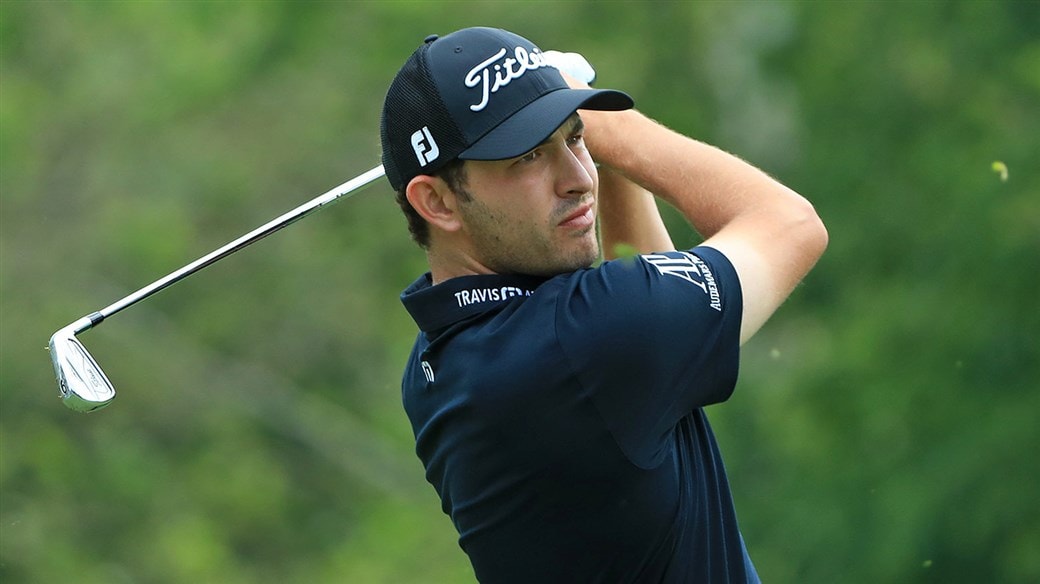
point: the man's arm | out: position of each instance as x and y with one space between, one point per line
771 234
628 215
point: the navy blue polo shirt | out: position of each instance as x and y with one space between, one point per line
560 420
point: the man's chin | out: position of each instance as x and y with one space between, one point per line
579 261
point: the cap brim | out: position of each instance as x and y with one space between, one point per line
530 126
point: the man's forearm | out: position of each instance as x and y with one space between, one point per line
628 216
709 186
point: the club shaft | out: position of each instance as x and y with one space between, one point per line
249 238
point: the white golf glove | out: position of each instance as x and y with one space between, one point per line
572 64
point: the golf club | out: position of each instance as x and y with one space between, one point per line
82 384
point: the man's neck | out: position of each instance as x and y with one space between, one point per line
445 266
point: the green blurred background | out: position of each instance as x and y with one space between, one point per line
885 426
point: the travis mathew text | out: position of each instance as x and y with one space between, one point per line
476 295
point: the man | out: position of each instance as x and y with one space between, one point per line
557 407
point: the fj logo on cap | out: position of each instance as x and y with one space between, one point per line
505 71
425 146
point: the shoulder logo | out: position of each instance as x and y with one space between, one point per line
689 267
426 149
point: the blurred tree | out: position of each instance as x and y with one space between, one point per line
884 422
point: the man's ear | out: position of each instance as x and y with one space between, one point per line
431 197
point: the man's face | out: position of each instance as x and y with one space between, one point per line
534 214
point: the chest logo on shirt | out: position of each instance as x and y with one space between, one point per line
685 265
427 370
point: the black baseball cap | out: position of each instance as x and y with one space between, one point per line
476 94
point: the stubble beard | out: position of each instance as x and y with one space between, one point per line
505 251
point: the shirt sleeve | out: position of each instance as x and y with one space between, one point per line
652 339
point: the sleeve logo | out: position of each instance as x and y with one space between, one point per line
689 267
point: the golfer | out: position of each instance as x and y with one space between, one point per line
557 402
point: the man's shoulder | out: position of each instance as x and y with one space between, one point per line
652 285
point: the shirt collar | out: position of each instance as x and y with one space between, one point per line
435 307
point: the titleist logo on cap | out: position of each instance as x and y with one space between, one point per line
506 70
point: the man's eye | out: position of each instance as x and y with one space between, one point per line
576 140
529 157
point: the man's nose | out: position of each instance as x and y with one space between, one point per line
575 178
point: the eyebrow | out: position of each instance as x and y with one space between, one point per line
573 124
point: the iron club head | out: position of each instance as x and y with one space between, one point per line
82 384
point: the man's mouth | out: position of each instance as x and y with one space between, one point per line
582 217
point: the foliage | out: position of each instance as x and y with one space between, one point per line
885 423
